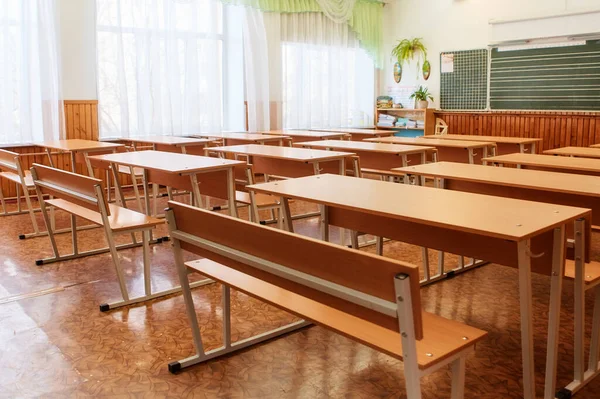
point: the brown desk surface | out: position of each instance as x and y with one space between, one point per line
306 133
490 139
521 178
350 130
241 136
584 152
290 153
77 145
504 218
170 140
430 142
366 146
548 161
169 162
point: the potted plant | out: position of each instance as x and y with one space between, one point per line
406 50
421 96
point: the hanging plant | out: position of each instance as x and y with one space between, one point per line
426 70
406 50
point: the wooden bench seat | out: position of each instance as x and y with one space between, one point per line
16 179
12 170
126 170
262 200
592 271
442 337
120 219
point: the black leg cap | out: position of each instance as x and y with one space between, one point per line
216 208
104 307
39 262
174 367
159 240
21 236
450 274
166 238
564 394
263 222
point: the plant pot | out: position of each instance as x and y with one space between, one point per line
421 104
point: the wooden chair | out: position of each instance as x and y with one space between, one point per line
370 299
83 197
12 170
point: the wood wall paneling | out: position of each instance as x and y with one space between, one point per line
557 129
81 122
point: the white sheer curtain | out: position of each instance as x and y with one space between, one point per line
319 77
160 66
31 106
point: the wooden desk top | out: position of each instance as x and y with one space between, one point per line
595 146
169 162
548 161
344 145
170 140
290 153
454 210
489 139
77 145
584 152
306 133
511 177
254 137
350 130
430 142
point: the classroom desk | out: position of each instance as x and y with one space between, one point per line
583 152
184 145
376 156
288 161
550 187
360 134
299 136
462 225
235 138
447 150
176 170
78 150
583 166
505 145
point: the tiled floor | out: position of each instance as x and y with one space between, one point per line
55 343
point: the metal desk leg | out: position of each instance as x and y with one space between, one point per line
558 271
525 299
231 193
73 169
50 161
287 215
579 358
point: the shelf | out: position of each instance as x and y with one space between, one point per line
399 128
402 109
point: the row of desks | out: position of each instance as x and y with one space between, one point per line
454 222
410 214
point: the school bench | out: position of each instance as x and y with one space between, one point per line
83 197
320 283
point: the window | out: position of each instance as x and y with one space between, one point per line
162 67
326 86
30 101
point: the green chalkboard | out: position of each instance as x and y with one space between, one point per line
553 78
463 86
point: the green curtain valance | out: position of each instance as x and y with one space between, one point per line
366 20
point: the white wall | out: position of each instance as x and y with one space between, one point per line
77 27
447 25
